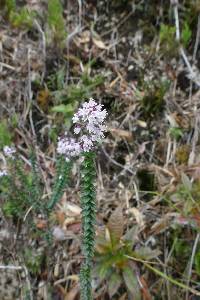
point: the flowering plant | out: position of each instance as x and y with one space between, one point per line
23 189
88 132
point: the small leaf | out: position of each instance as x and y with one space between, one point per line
186 181
62 108
132 235
114 284
104 270
131 283
147 253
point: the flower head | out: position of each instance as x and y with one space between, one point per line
89 129
9 151
89 122
68 146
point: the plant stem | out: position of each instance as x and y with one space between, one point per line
88 195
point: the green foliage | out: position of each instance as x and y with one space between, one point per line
10 6
181 247
169 45
65 98
186 34
33 261
23 18
167 33
186 198
66 109
88 174
20 190
112 252
20 18
85 282
176 133
153 99
5 134
62 177
197 262
56 21
35 184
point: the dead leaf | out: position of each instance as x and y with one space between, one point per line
141 123
164 223
41 224
116 223
145 291
99 43
122 134
60 217
75 227
138 216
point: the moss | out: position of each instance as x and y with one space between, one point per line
182 154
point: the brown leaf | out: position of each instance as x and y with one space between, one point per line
41 224
99 43
75 227
145 291
116 223
122 134
138 216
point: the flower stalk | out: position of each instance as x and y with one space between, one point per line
88 132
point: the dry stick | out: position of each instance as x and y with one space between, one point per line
192 74
197 39
195 52
191 264
79 12
43 47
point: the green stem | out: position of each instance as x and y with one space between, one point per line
88 203
62 177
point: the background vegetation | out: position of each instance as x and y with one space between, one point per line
141 60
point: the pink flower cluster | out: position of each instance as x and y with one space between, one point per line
68 146
89 129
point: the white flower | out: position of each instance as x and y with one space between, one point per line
89 120
3 173
69 147
77 129
9 151
86 143
89 127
